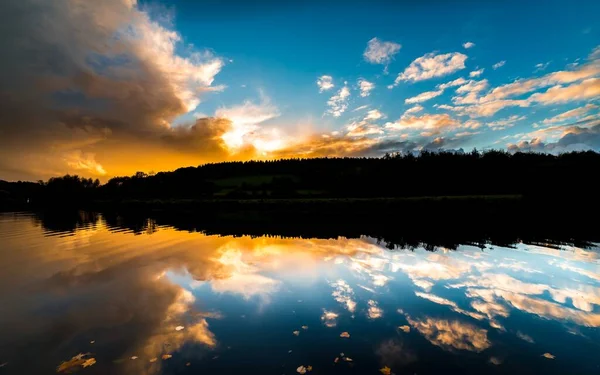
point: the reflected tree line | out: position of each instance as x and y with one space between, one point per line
431 228
567 175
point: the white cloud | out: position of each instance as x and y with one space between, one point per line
360 108
339 102
424 122
244 121
505 123
450 335
476 73
431 66
541 66
85 162
457 82
470 92
499 64
248 113
374 114
585 85
380 52
365 87
577 112
374 311
468 45
415 109
343 293
587 89
325 83
365 127
422 97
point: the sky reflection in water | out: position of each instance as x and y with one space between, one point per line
270 305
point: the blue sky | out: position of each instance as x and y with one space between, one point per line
120 86
281 50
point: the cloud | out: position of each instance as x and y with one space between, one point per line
374 114
587 89
325 83
470 92
380 52
457 82
468 45
578 84
343 294
339 102
524 86
476 73
451 335
99 75
329 318
363 128
84 162
541 66
424 122
361 108
423 97
499 64
505 123
443 301
365 87
576 112
374 311
411 110
431 66
573 138
245 120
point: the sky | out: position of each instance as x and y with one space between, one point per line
108 88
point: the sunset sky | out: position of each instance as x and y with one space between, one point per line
111 87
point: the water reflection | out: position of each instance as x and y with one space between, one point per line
112 289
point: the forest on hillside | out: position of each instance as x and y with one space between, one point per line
394 175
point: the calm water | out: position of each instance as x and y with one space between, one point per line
100 298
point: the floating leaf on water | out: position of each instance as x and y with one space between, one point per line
548 355
308 368
153 359
296 333
385 370
93 341
304 327
345 335
179 328
495 361
341 354
301 370
188 364
75 363
405 329
289 351
166 356
347 359
336 360
134 357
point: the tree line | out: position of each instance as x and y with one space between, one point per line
393 175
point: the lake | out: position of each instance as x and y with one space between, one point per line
101 294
